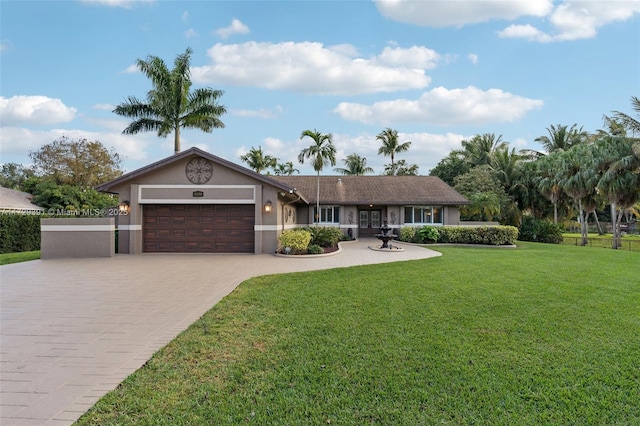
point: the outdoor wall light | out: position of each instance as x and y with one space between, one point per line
124 206
267 206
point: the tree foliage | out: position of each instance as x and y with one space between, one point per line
391 146
171 104
81 163
258 160
401 168
15 176
354 165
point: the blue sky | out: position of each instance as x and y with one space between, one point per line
436 71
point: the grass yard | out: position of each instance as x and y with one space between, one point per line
6 258
542 334
629 242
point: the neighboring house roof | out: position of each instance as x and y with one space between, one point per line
389 190
16 201
106 187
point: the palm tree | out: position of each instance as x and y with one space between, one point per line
628 122
322 152
549 181
285 169
354 165
401 168
390 146
170 104
561 138
257 160
481 148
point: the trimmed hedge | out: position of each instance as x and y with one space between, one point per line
19 232
324 236
489 235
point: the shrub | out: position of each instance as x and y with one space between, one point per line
490 235
19 232
540 231
408 234
427 234
315 249
297 239
325 236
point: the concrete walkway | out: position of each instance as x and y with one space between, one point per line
72 329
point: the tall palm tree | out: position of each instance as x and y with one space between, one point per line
391 146
285 169
354 165
257 160
170 104
481 148
322 153
561 138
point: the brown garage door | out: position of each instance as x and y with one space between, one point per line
207 228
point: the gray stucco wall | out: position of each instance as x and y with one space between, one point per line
77 237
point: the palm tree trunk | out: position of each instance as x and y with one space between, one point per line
615 227
176 139
595 216
584 231
317 218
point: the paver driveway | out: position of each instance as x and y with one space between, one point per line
71 330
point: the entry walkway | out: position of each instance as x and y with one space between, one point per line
72 329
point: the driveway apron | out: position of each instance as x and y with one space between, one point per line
72 329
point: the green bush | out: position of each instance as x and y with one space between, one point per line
540 231
408 234
315 249
297 239
19 232
489 235
325 236
427 234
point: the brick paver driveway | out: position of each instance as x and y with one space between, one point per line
71 330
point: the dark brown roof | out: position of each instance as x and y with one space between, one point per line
106 187
389 190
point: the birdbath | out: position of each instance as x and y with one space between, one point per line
385 235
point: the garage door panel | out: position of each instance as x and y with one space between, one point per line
199 228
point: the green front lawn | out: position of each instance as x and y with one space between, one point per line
542 334
6 258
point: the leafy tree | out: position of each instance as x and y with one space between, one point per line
549 181
354 165
561 138
450 167
483 189
481 148
258 161
285 169
50 195
322 152
171 105
14 176
401 168
80 163
391 146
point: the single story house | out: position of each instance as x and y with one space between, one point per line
12 201
194 201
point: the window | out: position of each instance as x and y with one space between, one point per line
423 215
328 214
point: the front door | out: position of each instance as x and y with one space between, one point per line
369 223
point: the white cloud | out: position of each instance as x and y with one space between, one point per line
310 67
104 107
190 33
259 113
185 16
441 13
574 20
236 27
441 106
131 69
34 110
473 58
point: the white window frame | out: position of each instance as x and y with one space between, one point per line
422 208
335 214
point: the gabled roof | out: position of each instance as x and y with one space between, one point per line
16 201
388 190
107 187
